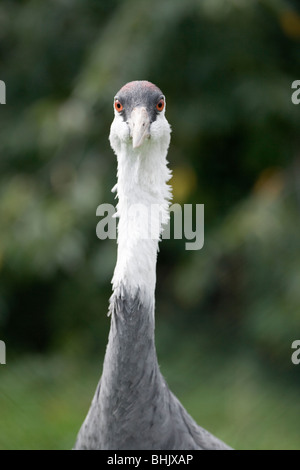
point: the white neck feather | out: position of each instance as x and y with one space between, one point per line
143 206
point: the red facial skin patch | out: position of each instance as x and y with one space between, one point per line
143 83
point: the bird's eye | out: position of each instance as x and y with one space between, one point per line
118 106
160 105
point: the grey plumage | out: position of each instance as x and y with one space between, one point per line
133 408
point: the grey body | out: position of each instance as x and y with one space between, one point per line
133 408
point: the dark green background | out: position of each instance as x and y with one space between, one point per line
226 316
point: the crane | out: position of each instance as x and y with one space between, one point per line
133 408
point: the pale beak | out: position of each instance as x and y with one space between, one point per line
139 124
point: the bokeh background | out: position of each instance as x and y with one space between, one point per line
226 315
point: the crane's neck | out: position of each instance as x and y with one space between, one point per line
143 209
130 371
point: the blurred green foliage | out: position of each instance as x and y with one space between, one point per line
233 308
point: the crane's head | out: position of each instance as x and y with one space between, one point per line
139 109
